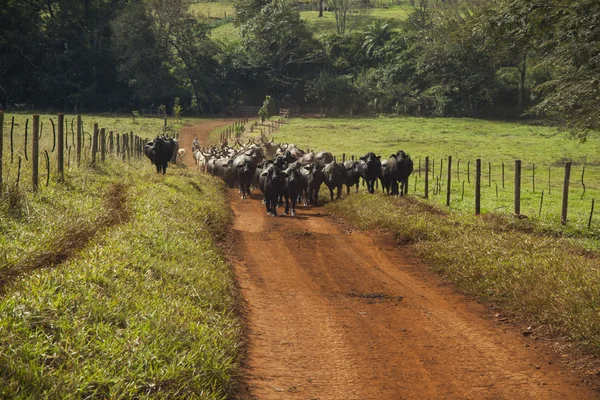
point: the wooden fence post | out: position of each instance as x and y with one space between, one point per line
478 187
565 199
124 146
12 144
79 138
426 177
1 143
449 181
130 144
111 142
103 144
533 178
35 152
591 214
458 170
94 144
489 173
517 187
60 154
502 175
469 171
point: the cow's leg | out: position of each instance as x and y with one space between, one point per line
293 205
339 192
275 202
331 193
287 204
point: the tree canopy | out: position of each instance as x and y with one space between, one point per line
497 58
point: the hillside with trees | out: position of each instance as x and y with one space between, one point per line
498 59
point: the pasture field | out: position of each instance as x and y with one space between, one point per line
143 126
543 148
213 10
113 285
394 15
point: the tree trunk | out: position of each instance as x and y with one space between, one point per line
523 73
321 3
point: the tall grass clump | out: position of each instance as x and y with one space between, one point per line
121 292
547 280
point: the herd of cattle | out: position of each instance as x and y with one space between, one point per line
284 172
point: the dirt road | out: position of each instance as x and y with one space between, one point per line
334 314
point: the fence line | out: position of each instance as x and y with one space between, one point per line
100 146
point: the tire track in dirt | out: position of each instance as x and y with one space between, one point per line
115 210
332 315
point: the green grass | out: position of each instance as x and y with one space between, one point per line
113 286
212 10
395 15
466 140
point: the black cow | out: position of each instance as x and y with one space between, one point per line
272 184
387 180
223 168
314 177
352 175
371 170
404 168
160 151
335 176
294 184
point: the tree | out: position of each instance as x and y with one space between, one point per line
267 109
376 36
341 10
572 94
193 53
143 58
278 42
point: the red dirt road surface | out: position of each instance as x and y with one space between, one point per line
336 314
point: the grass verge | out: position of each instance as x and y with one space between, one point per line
114 287
499 259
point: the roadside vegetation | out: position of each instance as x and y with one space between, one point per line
113 286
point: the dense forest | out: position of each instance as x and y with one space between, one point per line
479 58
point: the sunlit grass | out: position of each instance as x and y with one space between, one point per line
140 306
394 15
212 10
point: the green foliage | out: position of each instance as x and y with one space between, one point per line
177 109
144 309
376 36
267 109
